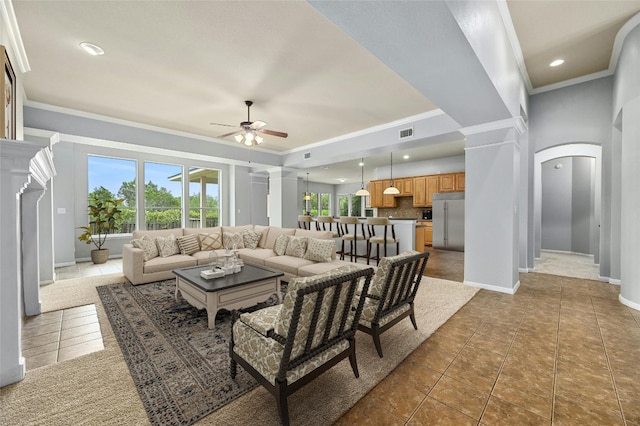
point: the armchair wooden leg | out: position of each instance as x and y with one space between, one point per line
353 361
412 315
233 368
376 340
281 400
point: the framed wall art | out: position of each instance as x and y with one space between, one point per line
7 97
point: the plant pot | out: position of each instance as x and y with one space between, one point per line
99 256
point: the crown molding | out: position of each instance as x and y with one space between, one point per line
515 43
620 38
517 123
11 23
571 82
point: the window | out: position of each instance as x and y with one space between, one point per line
162 196
204 198
325 206
115 178
350 205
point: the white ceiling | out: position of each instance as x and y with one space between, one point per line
182 65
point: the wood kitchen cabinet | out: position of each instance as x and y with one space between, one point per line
420 191
433 187
428 233
378 199
459 181
452 182
405 186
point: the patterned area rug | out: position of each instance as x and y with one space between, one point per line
179 366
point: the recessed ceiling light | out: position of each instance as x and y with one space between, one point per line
361 164
325 168
92 49
556 63
406 157
342 180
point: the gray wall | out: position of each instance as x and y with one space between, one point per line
582 214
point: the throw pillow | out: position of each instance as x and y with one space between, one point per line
188 244
320 250
167 246
251 238
296 246
281 244
232 240
147 245
210 241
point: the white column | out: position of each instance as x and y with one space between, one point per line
15 176
630 205
258 201
492 167
283 197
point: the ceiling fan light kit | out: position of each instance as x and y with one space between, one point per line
249 131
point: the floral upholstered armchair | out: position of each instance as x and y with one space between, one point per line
391 294
286 346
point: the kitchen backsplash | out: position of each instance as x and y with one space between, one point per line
404 208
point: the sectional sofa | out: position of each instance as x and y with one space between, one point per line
152 255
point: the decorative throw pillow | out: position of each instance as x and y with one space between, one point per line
320 250
232 240
147 245
251 238
210 241
280 245
296 246
167 246
188 244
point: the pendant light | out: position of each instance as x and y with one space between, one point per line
307 194
362 192
391 190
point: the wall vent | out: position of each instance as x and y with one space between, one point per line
307 155
406 133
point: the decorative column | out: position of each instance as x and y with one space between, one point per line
283 197
16 170
492 168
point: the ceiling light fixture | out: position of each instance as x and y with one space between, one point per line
307 194
249 138
362 192
92 49
391 190
406 157
556 63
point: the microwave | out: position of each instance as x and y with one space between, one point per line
427 214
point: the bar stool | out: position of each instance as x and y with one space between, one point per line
387 237
304 221
321 225
353 236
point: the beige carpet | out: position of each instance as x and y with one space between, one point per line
97 388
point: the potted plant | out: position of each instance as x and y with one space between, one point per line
104 214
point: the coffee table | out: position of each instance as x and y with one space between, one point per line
253 284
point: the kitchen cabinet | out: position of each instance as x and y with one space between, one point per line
420 229
452 182
420 191
378 199
433 187
405 186
428 233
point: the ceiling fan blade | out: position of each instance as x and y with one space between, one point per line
273 133
257 125
230 134
226 125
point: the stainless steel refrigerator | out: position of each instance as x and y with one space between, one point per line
448 221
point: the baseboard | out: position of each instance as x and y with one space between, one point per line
523 270
88 259
46 282
567 252
614 281
63 264
603 279
629 303
493 287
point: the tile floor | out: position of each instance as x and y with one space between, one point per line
561 351
60 335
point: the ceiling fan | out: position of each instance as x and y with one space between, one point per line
249 131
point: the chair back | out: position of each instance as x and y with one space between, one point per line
322 221
395 284
348 225
389 229
304 221
317 314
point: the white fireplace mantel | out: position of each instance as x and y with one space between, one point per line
25 168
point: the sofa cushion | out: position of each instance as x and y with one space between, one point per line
188 244
178 232
212 241
236 229
232 240
296 246
161 264
256 256
263 238
321 267
167 246
147 245
251 238
320 250
323 235
274 233
280 245
286 264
